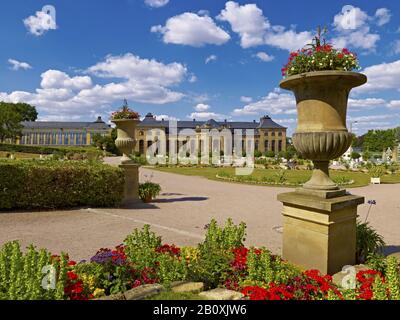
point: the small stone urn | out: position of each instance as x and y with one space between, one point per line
126 140
322 134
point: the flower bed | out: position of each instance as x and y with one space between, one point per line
220 261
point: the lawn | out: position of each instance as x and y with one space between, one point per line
292 176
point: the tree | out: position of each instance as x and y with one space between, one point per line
27 112
106 141
379 140
10 122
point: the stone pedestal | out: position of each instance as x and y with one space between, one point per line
319 229
131 188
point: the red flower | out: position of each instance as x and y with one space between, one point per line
72 275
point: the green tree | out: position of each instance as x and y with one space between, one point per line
27 112
379 140
10 122
106 141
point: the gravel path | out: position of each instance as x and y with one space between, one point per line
186 205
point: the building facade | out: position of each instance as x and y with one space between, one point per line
40 133
268 135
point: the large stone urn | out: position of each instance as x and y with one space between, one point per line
322 134
126 140
319 220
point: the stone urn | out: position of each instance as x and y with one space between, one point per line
322 134
126 140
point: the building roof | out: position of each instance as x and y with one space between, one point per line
99 124
265 123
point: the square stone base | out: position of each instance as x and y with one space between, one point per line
320 233
131 187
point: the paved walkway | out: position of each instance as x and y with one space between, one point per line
186 205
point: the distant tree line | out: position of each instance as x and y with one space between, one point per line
378 140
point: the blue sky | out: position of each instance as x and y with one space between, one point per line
189 59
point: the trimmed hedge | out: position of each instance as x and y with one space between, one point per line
29 184
45 150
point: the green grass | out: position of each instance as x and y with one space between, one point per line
293 176
169 295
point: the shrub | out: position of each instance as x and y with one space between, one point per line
149 190
53 184
21 275
46 150
369 242
377 171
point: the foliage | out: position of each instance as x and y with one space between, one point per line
11 116
320 56
269 154
107 142
369 242
125 113
149 190
61 151
355 155
257 154
21 274
379 140
377 171
33 184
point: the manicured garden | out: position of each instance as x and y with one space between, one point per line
221 260
275 177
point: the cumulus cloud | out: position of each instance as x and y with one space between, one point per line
366 104
201 107
254 29
354 30
165 117
394 104
139 80
274 102
193 30
207 116
384 76
40 23
382 16
246 99
264 57
211 58
396 47
156 3
18 65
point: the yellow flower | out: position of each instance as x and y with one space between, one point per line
98 293
89 281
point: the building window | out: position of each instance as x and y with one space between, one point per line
280 133
273 134
273 146
256 146
141 146
266 145
280 145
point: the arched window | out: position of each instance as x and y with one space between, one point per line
141 146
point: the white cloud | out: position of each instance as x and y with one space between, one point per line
201 107
246 99
385 76
354 30
207 116
211 58
264 57
366 104
248 21
140 80
274 102
394 104
383 16
17 65
396 47
192 78
40 23
193 30
254 29
165 117
156 3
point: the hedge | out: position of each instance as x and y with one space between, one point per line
45 150
29 184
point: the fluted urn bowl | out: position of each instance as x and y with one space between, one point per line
322 133
126 140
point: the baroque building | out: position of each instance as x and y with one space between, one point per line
268 135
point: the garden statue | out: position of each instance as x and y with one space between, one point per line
126 121
320 218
